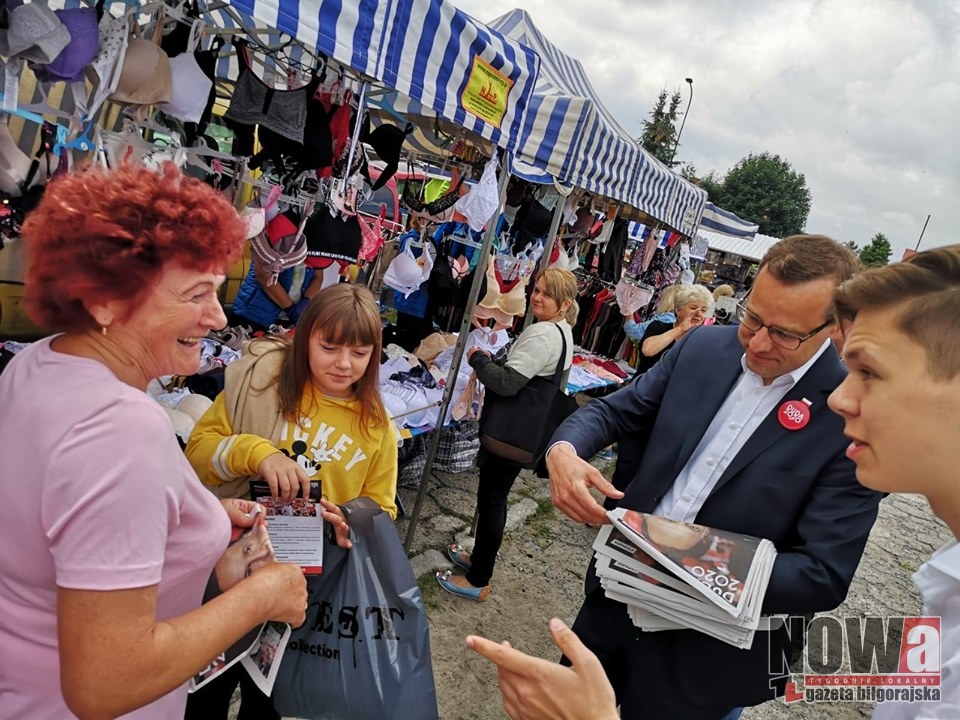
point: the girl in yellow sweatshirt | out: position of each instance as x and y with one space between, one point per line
292 413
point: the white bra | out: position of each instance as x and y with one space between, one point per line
189 91
405 273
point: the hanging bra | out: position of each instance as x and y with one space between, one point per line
189 89
459 267
282 246
405 273
503 301
411 198
371 230
255 103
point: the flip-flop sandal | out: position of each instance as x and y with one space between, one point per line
456 554
477 594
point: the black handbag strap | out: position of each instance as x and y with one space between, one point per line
558 373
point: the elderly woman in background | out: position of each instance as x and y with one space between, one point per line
722 291
108 538
690 303
901 407
635 330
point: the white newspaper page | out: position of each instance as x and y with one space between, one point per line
263 662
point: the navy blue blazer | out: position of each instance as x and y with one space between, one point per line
793 487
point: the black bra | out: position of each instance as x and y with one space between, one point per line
411 198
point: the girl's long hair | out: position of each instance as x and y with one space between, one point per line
343 314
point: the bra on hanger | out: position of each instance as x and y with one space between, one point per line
407 272
256 103
502 302
371 230
411 197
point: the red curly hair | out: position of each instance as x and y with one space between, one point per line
105 235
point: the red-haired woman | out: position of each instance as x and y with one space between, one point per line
108 537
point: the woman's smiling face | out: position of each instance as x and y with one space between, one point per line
161 336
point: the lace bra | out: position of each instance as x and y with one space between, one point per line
411 198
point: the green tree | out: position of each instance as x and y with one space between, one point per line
764 189
660 131
853 246
877 253
713 185
688 171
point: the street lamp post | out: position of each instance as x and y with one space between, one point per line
686 112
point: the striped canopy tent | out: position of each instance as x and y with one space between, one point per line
427 50
752 249
722 221
569 136
471 77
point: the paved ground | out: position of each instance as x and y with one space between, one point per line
540 573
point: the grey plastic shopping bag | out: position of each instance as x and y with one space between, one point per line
364 651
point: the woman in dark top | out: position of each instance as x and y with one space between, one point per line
690 307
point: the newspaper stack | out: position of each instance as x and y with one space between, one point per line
674 575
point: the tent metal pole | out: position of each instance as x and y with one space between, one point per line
478 276
551 241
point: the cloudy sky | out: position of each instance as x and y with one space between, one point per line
861 96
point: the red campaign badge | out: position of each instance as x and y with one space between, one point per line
794 414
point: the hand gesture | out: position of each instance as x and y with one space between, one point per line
535 689
570 481
334 515
284 591
284 476
688 323
241 512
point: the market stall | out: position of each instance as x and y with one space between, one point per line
731 259
468 75
570 142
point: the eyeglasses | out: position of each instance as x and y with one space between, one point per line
786 340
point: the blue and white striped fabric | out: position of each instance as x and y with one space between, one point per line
422 48
722 221
569 134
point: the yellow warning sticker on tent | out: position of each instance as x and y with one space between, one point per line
486 92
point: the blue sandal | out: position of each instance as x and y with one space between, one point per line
477 594
457 555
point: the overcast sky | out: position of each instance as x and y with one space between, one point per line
860 96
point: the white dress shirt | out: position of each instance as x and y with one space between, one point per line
745 408
938 581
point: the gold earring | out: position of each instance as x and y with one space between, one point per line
103 330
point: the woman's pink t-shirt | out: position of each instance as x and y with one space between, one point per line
96 495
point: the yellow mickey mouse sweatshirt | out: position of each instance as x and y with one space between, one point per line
326 442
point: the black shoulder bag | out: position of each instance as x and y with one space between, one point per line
518 428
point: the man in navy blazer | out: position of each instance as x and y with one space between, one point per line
738 436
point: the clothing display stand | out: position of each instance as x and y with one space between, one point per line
547 250
488 237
